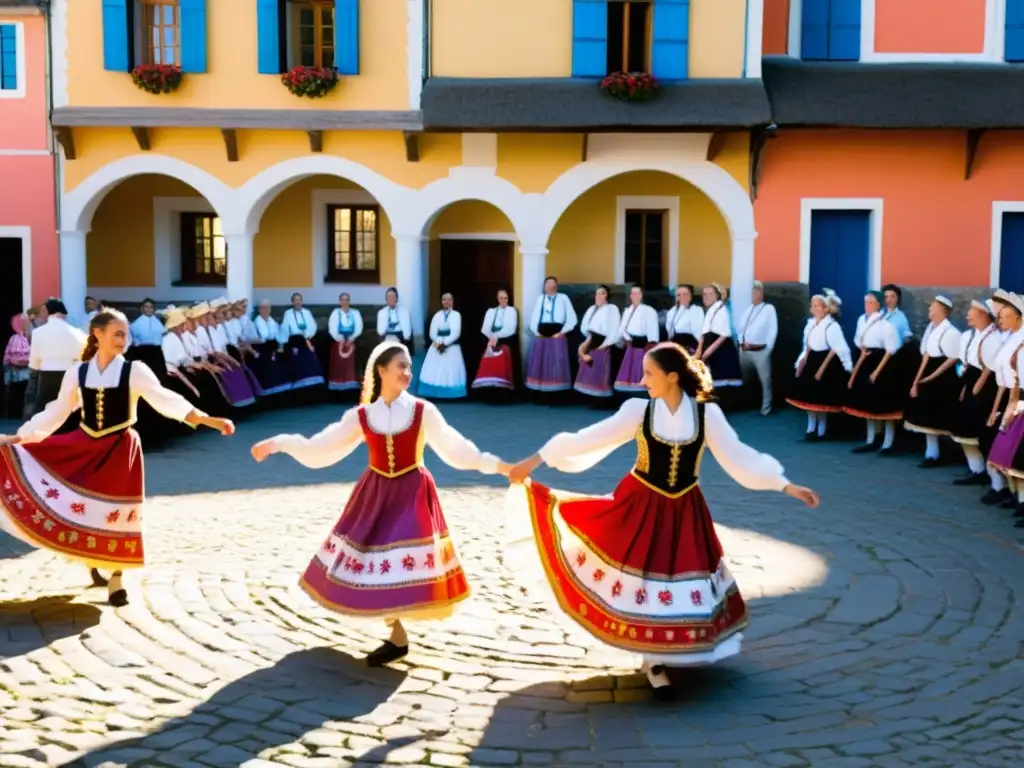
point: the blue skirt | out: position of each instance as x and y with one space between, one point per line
303 366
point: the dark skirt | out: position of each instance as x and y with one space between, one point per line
936 409
686 340
885 398
14 399
151 426
268 365
974 410
724 363
826 395
303 367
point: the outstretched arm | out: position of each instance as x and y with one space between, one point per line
50 419
171 405
455 450
327 447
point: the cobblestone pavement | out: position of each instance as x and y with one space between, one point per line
886 628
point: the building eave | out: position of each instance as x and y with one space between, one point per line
273 119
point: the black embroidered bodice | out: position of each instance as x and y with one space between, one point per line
671 468
106 410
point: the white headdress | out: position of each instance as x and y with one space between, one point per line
371 368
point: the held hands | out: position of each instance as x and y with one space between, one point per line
518 474
806 495
265 448
9 440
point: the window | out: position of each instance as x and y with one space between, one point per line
8 57
830 30
1014 40
160 22
629 36
352 244
313 30
645 253
204 252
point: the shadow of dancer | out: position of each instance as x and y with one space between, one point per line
267 708
27 625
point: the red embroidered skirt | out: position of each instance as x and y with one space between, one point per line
342 370
79 496
496 370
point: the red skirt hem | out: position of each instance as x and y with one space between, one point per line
496 370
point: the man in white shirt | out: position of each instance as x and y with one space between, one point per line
54 348
758 329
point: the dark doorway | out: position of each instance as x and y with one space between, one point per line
645 249
473 271
11 299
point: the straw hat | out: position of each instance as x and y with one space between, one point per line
173 317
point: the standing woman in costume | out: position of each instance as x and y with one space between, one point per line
684 323
716 347
443 375
390 554
934 394
642 569
298 327
979 385
394 322
823 366
600 329
1011 329
345 326
875 387
82 494
500 364
548 369
268 360
638 332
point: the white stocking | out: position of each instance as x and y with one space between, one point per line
975 461
890 434
998 481
822 424
931 446
812 422
872 431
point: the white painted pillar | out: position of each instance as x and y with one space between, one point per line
411 278
531 286
73 279
742 274
240 272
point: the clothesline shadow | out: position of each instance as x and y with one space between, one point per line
28 625
271 707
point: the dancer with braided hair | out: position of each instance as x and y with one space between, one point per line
642 570
81 494
390 554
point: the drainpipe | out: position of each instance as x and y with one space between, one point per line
50 143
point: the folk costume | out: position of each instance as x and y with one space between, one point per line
82 494
758 331
600 328
724 362
1007 455
685 326
182 377
268 360
638 331
226 345
642 569
298 327
979 384
443 375
395 324
880 400
344 326
548 369
390 554
232 383
500 364
825 352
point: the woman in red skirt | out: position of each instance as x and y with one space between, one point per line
390 553
642 569
81 494
499 364
345 326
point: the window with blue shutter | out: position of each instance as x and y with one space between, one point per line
8 57
830 30
117 37
1014 30
589 38
192 28
271 28
670 39
346 36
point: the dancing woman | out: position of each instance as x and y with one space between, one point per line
642 570
390 553
81 494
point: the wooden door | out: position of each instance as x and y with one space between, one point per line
841 258
473 271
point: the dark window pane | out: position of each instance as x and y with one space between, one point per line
636 60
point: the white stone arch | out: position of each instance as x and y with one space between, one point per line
79 205
256 195
480 184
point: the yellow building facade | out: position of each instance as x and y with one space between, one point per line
466 146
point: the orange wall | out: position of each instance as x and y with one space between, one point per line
30 203
937 226
23 121
775 39
929 26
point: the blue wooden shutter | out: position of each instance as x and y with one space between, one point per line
116 51
814 30
670 39
346 36
841 257
844 30
270 24
8 57
192 28
1011 252
1014 30
589 38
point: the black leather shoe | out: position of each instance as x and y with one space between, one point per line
97 578
1019 524
387 653
975 478
866 448
993 497
887 452
929 464
1018 511
118 599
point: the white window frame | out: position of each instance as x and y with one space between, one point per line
874 205
999 207
648 203
19 61
994 48
25 235
327 293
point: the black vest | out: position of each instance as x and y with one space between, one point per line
668 467
106 408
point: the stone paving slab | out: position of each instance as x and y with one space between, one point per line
885 629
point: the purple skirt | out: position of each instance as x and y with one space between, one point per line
1004 449
548 367
594 378
390 553
631 372
234 384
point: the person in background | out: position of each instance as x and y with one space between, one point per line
143 344
54 348
500 363
16 371
683 323
600 329
92 307
298 327
146 329
758 330
443 375
638 331
394 322
344 326
1008 317
716 348
268 361
548 369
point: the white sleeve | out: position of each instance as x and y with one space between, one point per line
451 447
837 341
455 325
891 336
570 314
587 317
748 467
327 447
965 342
435 325
858 335
949 345
773 327
923 347
511 324
51 418
357 324
670 317
699 316
35 354
332 325
579 451
405 321
622 326
535 317
807 335
311 328
174 354
382 322
722 324
653 328
615 318
485 326
144 383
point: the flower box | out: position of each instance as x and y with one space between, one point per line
630 86
157 78
311 82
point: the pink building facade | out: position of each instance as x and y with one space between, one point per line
29 264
